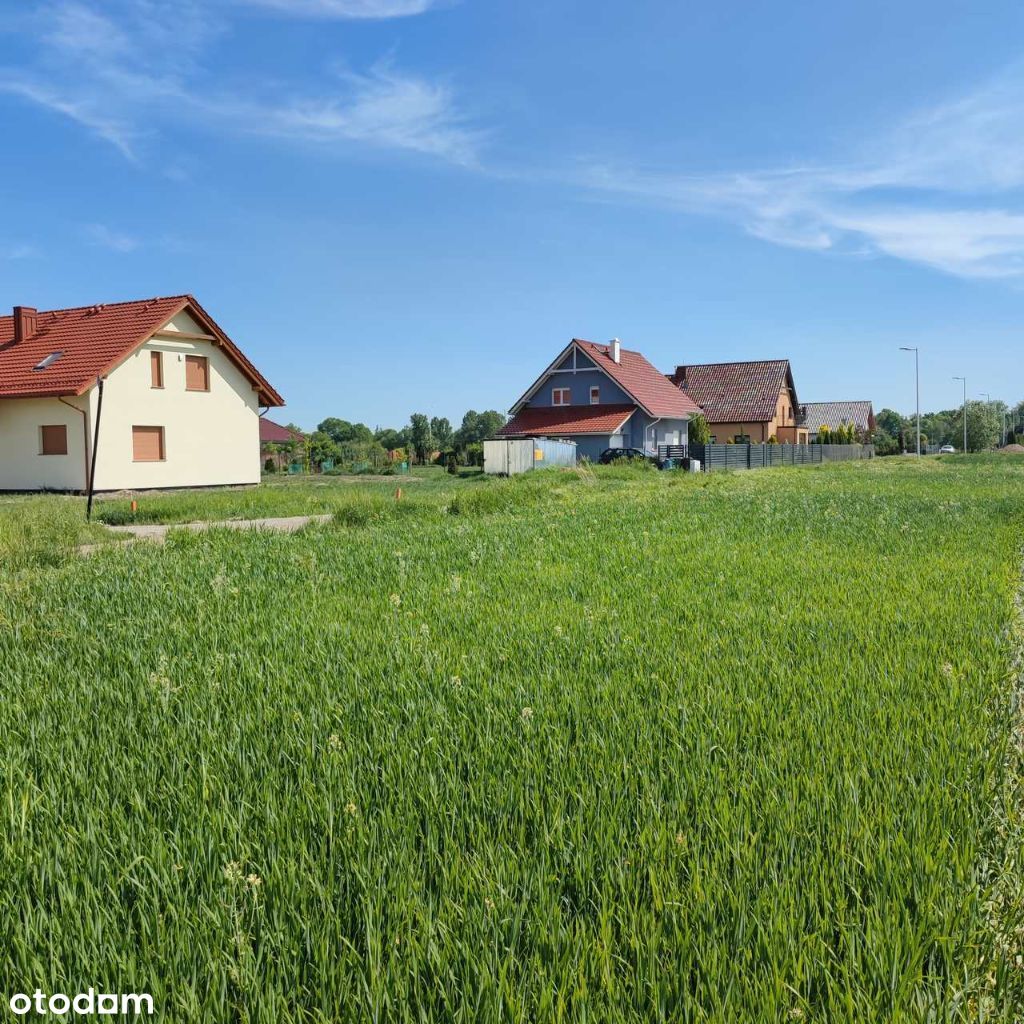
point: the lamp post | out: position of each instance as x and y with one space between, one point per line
917 388
964 379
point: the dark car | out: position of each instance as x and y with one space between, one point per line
610 455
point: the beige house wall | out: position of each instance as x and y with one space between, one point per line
211 438
783 425
22 467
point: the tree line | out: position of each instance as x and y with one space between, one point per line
423 439
989 425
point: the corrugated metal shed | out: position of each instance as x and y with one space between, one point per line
509 456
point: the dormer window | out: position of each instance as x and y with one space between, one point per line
561 396
595 395
45 364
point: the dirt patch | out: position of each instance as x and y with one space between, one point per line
1013 449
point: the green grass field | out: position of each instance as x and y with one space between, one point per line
596 746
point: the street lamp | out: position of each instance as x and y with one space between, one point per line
964 379
917 388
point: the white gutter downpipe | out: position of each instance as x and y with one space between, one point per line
654 435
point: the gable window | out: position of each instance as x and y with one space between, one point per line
561 396
197 373
156 369
148 444
53 440
595 395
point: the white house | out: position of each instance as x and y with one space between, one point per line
161 392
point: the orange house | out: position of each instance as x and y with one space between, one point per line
749 403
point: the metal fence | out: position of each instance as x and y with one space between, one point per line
846 452
763 456
755 456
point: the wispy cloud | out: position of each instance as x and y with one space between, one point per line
351 9
382 108
18 251
96 69
107 238
943 188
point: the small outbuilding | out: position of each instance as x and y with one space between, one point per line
506 456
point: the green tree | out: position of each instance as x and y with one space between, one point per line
441 431
419 435
343 432
891 422
885 444
321 447
391 439
476 426
699 431
982 426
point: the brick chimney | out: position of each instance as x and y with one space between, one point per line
25 323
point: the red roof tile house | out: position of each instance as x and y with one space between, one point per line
179 407
748 402
602 396
277 442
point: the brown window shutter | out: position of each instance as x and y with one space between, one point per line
148 444
197 373
54 440
156 368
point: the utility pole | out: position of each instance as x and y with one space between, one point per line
964 379
917 388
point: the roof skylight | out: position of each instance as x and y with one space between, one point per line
45 364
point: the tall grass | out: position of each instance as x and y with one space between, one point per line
615 747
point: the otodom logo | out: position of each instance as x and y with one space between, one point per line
85 1004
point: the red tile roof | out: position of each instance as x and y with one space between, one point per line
93 340
561 421
737 392
641 381
274 433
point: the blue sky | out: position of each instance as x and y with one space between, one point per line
407 205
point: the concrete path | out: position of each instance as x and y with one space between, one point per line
158 531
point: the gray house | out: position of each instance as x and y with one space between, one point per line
602 396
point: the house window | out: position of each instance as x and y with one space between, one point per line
742 439
197 373
156 369
53 440
561 396
595 395
148 444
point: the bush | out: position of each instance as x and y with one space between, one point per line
699 432
270 466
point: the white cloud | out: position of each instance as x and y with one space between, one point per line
97 70
18 251
80 109
382 108
943 188
352 9
107 238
